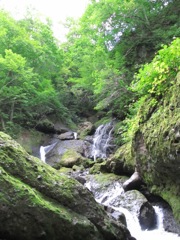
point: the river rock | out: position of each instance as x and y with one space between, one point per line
134 182
55 155
71 158
54 207
138 205
147 216
66 136
122 162
49 126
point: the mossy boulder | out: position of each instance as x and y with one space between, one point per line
156 146
98 167
66 148
71 158
122 162
37 202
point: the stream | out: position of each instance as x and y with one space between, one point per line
110 199
112 194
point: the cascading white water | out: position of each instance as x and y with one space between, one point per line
42 154
157 234
102 141
44 150
75 135
107 199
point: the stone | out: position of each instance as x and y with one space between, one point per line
65 209
147 216
55 155
71 158
66 136
134 182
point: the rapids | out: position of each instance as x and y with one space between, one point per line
109 197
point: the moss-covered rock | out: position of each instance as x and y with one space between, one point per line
71 158
67 148
37 202
122 162
98 167
156 146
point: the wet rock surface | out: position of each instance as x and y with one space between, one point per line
147 216
46 203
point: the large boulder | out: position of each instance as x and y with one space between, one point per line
122 162
37 202
61 147
71 158
31 140
147 216
156 146
67 136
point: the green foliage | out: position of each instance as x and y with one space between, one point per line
30 64
155 78
110 43
152 82
93 70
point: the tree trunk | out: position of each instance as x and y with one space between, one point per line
12 111
2 124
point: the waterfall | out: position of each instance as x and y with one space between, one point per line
102 141
42 154
44 150
114 192
75 135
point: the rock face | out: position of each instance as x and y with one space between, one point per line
147 216
122 162
156 146
37 202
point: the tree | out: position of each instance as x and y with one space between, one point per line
111 42
30 64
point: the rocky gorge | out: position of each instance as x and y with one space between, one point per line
49 198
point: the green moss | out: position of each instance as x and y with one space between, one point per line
15 160
23 201
122 162
65 170
70 154
124 152
156 146
98 167
106 178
